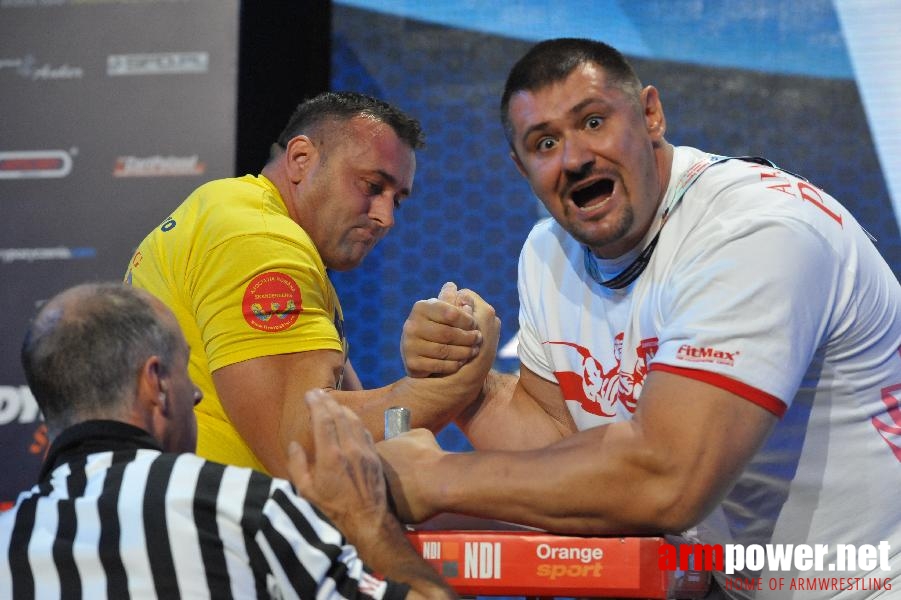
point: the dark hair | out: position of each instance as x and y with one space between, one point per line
343 106
84 349
552 61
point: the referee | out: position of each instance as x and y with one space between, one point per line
124 509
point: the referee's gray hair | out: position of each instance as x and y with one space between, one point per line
85 347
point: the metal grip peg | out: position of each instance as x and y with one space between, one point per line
397 421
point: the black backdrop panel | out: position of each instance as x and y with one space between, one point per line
111 112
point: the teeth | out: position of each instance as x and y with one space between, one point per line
592 203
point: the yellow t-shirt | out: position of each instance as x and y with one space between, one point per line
244 281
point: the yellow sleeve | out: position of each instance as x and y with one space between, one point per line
259 295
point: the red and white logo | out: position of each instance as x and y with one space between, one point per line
598 391
35 164
888 424
272 302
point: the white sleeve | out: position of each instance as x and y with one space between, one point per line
747 305
532 353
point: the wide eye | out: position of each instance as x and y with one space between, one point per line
545 143
593 122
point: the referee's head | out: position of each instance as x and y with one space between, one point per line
111 352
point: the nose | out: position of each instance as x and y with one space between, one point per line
381 210
578 159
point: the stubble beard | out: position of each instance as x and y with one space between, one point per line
597 240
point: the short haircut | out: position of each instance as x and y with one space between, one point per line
552 61
85 348
343 106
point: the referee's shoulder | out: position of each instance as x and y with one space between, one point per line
232 476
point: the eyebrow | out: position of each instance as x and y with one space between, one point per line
393 181
576 109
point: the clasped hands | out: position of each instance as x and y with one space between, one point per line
346 472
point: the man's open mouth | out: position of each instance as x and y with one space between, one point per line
592 194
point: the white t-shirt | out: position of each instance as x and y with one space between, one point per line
766 286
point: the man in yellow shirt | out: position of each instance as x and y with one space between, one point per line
242 264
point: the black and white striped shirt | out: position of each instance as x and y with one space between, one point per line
114 517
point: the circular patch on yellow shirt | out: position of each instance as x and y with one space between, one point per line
271 302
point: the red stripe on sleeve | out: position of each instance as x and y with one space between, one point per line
760 398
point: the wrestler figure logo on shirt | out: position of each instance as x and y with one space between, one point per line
269 295
597 391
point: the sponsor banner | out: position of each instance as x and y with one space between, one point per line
159 63
17 405
78 193
31 68
8 255
158 166
23 436
35 164
541 564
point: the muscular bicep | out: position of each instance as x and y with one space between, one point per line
693 440
263 398
517 413
548 397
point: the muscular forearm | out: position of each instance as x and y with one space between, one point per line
433 402
617 488
661 471
505 416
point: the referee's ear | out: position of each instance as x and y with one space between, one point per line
151 400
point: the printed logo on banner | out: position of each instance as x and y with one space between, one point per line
569 561
19 408
445 555
8 255
272 302
29 67
160 63
158 166
17 405
482 560
36 164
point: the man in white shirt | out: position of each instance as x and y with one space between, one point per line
743 326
